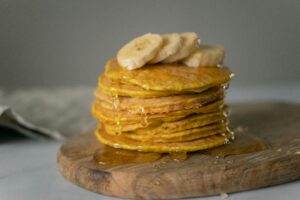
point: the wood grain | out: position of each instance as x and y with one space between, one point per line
278 124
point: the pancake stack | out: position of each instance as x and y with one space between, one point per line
162 107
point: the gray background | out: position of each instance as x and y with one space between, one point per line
66 42
47 43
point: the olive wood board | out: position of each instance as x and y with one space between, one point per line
276 123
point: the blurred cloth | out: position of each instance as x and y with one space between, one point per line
55 113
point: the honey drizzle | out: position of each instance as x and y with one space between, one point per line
226 140
144 121
116 106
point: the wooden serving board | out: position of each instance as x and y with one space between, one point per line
278 124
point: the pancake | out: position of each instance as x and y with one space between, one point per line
117 88
159 105
126 127
181 136
189 122
122 117
194 145
169 77
192 121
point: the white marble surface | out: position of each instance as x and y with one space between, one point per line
28 167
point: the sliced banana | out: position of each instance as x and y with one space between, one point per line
139 51
206 56
171 44
190 42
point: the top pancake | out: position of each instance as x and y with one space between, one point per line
169 77
118 88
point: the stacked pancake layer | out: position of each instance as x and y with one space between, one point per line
162 107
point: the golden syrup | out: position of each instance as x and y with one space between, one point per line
225 85
144 121
178 156
116 106
226 140
110 156
226 110
243 143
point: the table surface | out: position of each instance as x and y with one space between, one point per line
28 167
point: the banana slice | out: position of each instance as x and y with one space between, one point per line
139 51
206 56
171 44
189 45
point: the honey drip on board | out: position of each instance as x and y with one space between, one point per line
110 156
178 156
243 143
